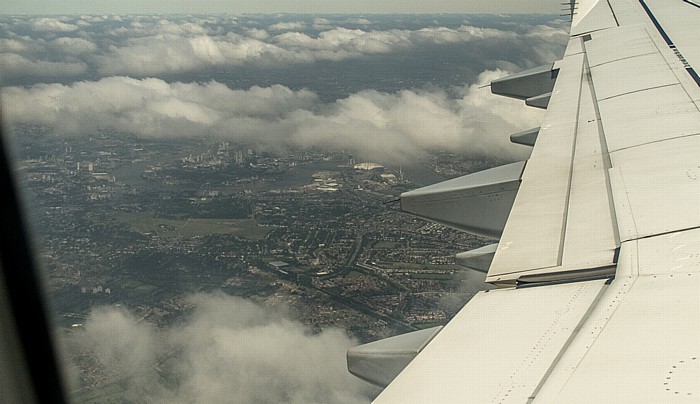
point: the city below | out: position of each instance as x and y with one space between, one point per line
144 224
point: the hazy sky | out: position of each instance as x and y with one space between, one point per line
273 6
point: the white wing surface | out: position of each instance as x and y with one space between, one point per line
598 258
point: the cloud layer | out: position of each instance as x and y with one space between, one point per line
388 126
228 350
141 46
142 70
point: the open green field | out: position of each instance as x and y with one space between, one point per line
134 285
387 244
354 274
425 267
423 326
431 276
145 222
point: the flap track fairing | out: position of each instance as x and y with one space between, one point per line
478 203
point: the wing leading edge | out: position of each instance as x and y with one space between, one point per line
598 262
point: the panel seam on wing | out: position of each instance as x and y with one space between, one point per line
567 200
666 233
604 148
568 342
639 91
624 58
655 141
608 316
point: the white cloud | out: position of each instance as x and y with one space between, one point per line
167 27
464 33
172 47
12 45
74 46
333 44
259 34
227 350
384 126
119 340
545 40
52 25
22 45
13 66
91 18
172 51
287 26
340 43
321 24
172 54
358 21
151 46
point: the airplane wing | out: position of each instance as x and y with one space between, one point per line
598 256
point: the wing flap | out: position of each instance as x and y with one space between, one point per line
590 210
575 197
536 221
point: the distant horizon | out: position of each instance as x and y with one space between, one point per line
226 13
69 7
